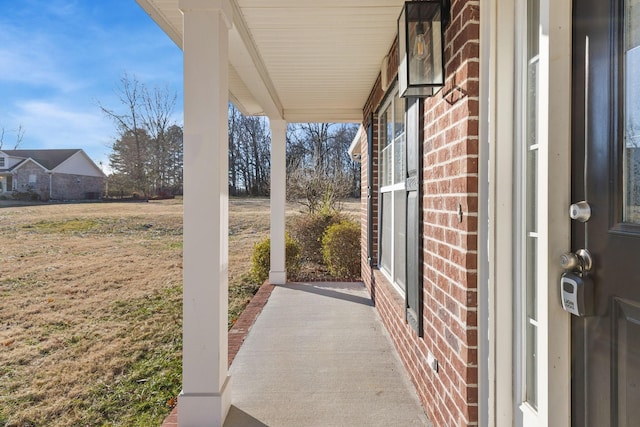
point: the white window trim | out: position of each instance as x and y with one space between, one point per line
529 415
393 187
522 233
389 273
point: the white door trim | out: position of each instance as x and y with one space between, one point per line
498 63
497 131
554 339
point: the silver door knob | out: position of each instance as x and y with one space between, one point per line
569 261
581 261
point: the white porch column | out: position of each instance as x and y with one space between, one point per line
278 274
206 393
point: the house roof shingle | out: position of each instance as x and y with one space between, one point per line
50 159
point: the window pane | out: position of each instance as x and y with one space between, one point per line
389 125
532 102
533 12
398 116
531 279
385 235
400 237
632 113
529 148
532 191
384 140
400 172
532 383
386 167
632 24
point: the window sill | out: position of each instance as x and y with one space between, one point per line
392 294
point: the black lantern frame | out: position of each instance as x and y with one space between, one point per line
421 69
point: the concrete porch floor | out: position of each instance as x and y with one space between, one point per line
319 355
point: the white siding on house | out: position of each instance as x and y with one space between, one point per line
12 161
79 164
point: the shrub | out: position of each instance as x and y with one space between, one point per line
28 195
341 249
307 229
261 260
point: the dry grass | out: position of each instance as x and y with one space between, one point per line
89 293
90 312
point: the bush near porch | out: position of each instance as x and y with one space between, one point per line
324 245
261 260
341 249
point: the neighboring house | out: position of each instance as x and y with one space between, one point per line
51 174
467 188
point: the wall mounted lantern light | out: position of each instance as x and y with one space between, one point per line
421 47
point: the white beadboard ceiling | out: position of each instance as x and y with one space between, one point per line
300 60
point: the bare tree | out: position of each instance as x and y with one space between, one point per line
158 106
319 169
249 154
175 161
18 139
145 150
234 151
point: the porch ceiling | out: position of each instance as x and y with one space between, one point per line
300 60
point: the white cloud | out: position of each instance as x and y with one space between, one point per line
36 71
55 125
35 59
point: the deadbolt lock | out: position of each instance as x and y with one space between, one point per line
580 211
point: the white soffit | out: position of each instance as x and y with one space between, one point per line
301 60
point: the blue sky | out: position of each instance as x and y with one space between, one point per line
59 58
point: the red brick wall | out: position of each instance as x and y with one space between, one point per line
450 186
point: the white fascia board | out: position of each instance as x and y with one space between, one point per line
243 59
159 18
354 149
246 60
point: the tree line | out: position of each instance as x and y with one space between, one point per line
147 154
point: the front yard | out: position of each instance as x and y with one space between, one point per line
91 308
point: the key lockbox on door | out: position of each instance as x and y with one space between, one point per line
577 294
